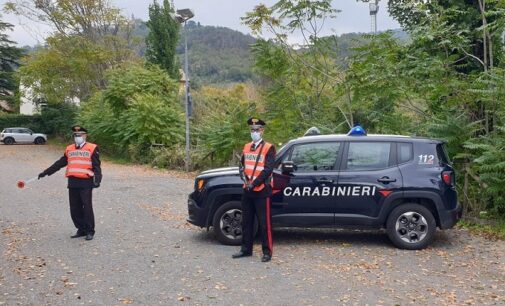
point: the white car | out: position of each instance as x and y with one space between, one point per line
21 135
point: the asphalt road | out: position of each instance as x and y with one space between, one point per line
144 253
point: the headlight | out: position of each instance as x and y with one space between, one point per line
199 184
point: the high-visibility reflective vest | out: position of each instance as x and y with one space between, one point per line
79 161
250 158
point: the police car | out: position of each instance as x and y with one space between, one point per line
403 184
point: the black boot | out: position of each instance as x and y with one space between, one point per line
266 258
78 234
241 254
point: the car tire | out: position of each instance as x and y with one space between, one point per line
227 223
39 141
411 226
9 140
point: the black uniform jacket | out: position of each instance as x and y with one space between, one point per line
263 176
74 182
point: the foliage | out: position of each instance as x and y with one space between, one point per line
57 119
15 120
56 78
137 110
217 54
53 120
490 164
162 39
90 37
302 78
9 62
221 129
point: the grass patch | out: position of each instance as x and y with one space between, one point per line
57 142
116 160
495 230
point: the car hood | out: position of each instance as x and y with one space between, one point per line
228 171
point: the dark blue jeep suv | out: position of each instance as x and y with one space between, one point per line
403 184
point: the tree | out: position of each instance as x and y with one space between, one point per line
161 42
302 78
9 62
90 37
138 108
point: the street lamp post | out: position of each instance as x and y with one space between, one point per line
182 16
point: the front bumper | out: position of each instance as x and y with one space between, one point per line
196 215
449 218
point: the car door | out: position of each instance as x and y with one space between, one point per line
22 135
368 175
305 198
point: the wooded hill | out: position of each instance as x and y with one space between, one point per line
220 55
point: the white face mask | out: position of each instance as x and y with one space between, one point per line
79 140
255 136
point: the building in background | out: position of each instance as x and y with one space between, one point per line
29 104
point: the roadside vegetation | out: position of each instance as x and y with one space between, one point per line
445 81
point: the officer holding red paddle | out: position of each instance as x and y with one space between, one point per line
84 173
256 168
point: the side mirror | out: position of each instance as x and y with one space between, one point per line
288 167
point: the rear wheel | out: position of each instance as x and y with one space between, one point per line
411 226
227 223
39 141
9 140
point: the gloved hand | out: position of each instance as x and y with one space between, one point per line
249 187
41 175
96 184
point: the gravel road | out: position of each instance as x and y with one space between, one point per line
144 253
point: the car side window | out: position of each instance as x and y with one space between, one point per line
368 155
405 152
320 156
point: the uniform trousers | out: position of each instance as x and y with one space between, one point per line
259 206
81 209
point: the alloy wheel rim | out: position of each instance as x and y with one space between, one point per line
411 227
231 224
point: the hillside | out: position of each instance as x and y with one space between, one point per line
217 54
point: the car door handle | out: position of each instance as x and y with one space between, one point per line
325 181
386 180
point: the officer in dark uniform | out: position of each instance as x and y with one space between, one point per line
256 166
82 160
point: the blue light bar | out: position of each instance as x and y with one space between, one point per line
357 130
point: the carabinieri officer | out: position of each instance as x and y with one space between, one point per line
84 173
256 166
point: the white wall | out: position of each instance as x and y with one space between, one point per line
27 105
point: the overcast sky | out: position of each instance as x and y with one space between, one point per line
353 18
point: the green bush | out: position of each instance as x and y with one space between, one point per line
57 119
16 120
54 120
138 109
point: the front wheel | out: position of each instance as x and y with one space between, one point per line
411 226
9 141
39 141
227 223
